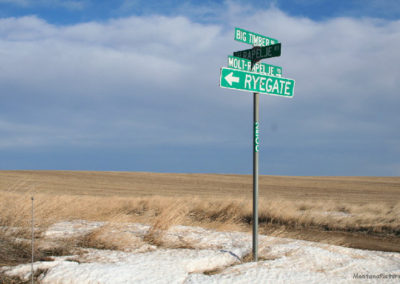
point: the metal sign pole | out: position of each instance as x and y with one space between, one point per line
33 239
250 78
255 175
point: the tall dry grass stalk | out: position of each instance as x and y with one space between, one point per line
379 219
170 213
162 212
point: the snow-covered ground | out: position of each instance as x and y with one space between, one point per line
207 256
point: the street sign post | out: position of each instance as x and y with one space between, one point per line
259 52
256 148
253 38
245 74
255 82
246 65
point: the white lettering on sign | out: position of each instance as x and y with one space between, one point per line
247 81
255 79
269 80
275 87
259 68
287 86
245 65
267 52
240 64
269 85
262 84
257 40
232 62
271 70
241 35
253 38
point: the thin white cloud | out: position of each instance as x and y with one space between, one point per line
24 29
128 5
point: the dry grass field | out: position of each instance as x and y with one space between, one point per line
358 212
356 190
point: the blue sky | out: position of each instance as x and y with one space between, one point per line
74 11
133 86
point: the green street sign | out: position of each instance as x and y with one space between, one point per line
257 53
245 65
255 82
253 38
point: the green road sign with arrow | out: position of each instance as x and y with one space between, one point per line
255 82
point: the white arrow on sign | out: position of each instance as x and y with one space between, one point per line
230 79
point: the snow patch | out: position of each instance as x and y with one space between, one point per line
285 260
69 229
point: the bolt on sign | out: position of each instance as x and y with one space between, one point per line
245 73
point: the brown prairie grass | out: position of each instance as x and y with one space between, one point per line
306 208
163 212
171 213
140 184
12 280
